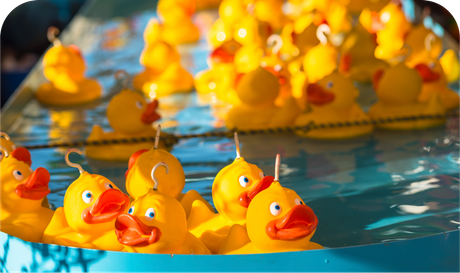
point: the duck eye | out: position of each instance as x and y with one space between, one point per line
244 181
87 196
329 84
18 175
107 185
262 175
131 210
139 104
275 209
432 65
298 201
150 214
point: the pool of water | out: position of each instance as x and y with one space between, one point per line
385 186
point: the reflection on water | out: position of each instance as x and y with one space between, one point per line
386 186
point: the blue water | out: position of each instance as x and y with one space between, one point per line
386 186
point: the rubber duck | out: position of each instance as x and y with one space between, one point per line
271 12
232 191
321 60
23 191
277 221
177 23
64 67
434 80
156 223
91 205
333 100
6 143
220 77
420 39
138 176
258 91
357 56
251 31
163 74
450 64
391 27
130 116
398 89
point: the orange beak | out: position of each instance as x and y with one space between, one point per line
298 223
107 207
150 115
345 63
36 186
427 74
132 232
317 95
376 79
246 197
22 154
220 55
133 159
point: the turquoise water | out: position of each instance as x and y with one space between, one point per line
377 188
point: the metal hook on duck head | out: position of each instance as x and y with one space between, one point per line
4 152
52 34
74 165
5 136
277 168
157 137
430 38
321 33
277 41
121 74
407 53
152 174
237 144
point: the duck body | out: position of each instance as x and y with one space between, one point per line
178 27
399 98
232 191
64 68
320 61
138 177
23 191
332 100
131 116
258 91
91 205
269 226
156 223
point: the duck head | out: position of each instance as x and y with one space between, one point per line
249 30
175 12
429 69
63 64
235 186
155 223
359 45
258 88
278 219
129 113
152 32
138 176
224 53
334 91
22 189
230 11
398 85
158 56
247 58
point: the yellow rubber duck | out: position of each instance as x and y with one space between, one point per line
163 74
130 116
450 64
177 23
357 56
232 191
321 60
23 190
398 89
277 221
6 143
64 67
138 180
420 39
258 91
434 80
156 223
391 27
91 205
333 100
220 77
